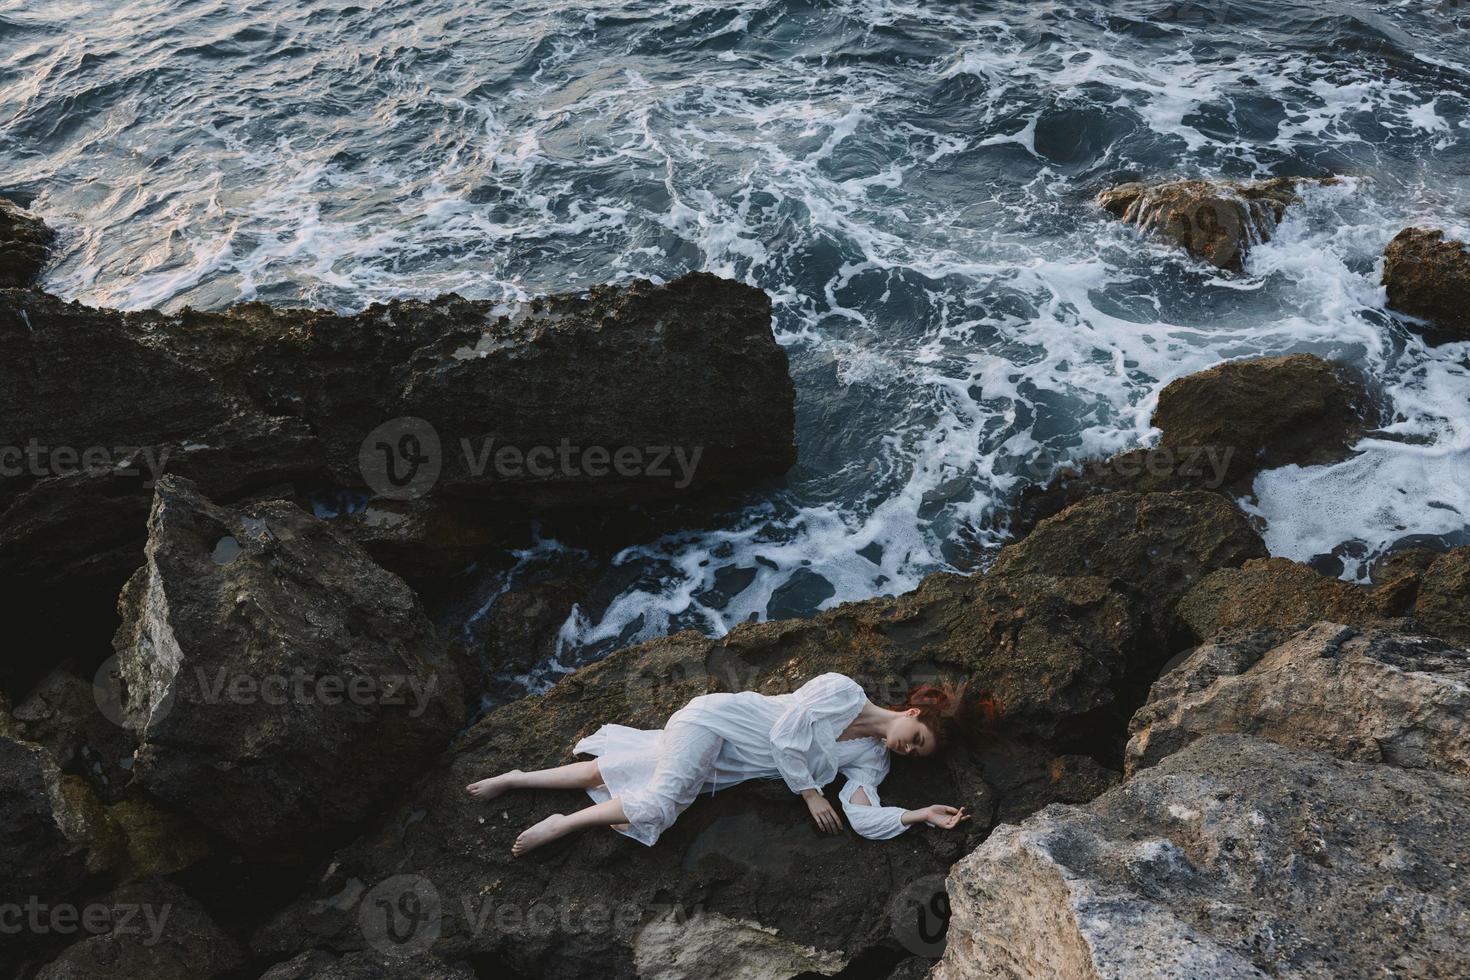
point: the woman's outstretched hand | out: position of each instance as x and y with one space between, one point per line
944 817
822 812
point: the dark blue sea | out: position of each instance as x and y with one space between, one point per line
911 182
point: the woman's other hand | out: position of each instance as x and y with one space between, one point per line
944 817
826 818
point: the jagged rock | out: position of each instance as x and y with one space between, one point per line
477 414
25 243
1428 276
281 683
1273 593
62 714
1432 589
1157 544
1370 696
152 929
721 948
1442 602
321 965
1052 651
1215 221
1219 428
54 837
522 628
1234 857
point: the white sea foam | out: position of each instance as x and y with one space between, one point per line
960 319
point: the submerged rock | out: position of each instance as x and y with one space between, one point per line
1264 412
1221 426
1428 276
25 242
1215 221
282 684
1235 857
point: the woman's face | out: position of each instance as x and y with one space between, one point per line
909 737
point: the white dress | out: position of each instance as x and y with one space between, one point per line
718 740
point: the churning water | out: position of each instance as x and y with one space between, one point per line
910 181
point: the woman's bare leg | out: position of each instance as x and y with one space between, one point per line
557 825
576 775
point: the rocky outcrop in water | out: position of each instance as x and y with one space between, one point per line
280 683
25 241
1215 221
1221 426
433 427
1293 811
1428 276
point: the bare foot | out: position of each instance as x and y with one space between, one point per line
534 836
488 789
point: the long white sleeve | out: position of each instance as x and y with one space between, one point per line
819 710
871 819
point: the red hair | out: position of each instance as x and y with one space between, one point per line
953 712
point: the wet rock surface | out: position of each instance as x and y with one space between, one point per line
433 426
25 242
1221 426
1427 275
1214 221
281 684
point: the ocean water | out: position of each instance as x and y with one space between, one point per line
911 182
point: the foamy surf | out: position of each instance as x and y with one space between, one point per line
911 183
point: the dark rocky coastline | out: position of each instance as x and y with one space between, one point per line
1195 741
